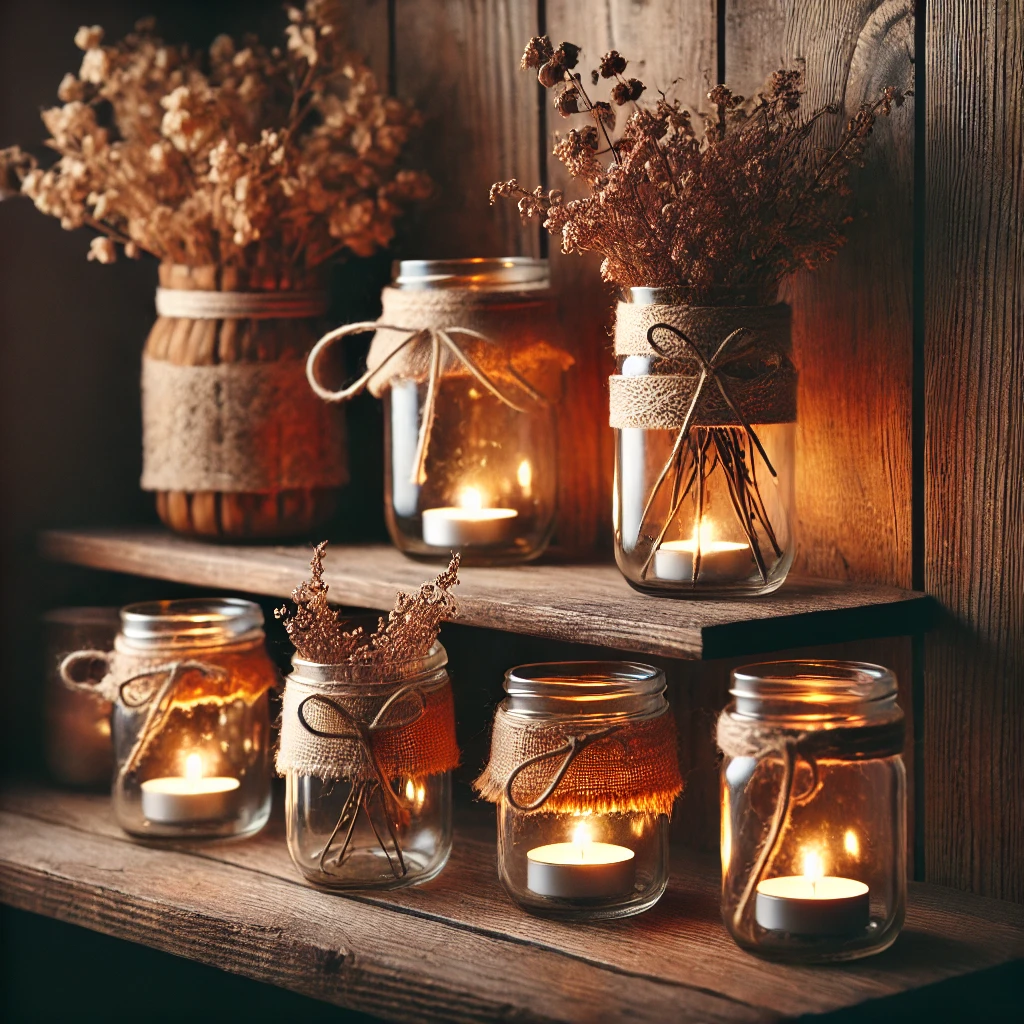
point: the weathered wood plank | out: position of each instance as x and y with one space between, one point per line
578 603
678 954
673 47
974 445
853 318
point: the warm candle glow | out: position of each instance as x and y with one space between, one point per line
194 767
525 475
470 499
581 838
851 843
814 867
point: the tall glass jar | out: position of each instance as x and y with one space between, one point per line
583 770
813 810
471 464
189 681
367 764
703 476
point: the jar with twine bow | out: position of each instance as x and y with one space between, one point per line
234 445
465 358
813 810
584 771
704 408
189 682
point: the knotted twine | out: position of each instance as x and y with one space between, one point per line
496 337
237 427
844 741
152 685
334 730
719 366
566 768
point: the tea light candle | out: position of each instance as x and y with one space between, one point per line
580 869
719 559
468 524
177 799
812 903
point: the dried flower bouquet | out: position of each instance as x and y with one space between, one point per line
710 209
250 157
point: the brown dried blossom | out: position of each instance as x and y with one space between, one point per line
411 628
721 211
246 156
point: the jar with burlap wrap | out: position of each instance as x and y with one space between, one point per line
234 445
584 771
367 762
189 681
813 810
704 410
466 359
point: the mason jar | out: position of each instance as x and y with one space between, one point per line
703 493
367 763
813 810
584 773
471 461
189 681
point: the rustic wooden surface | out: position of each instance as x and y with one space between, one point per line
581 603
974 454
456 948
853 318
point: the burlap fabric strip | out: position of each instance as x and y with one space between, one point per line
716 366
150 686
387 731
738 737
568 767
237 427
497 338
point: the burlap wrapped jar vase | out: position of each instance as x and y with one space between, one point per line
704 410
234 444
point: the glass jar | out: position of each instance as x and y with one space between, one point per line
584 772
367 764
79 750
189 680
468 469
813 810
703 506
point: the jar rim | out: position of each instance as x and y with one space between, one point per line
346 674
477 272
191 621
814 688
579 688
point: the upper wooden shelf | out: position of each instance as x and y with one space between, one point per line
458 948
585 603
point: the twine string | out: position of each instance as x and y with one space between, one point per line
362 792
571 749
440 339
216 305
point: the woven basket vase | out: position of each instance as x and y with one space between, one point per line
238 514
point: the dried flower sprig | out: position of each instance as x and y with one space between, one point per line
409 631
722 213
247 156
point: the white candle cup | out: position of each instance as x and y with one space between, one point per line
453 528
574 871
177 800
800 906
720 561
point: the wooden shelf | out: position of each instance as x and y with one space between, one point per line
456 948
580 603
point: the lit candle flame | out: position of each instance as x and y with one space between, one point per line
852 843
814 869
581 838
707 533
193 767
470 499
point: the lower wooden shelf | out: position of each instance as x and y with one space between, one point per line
455 949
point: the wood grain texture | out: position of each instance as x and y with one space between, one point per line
974 445
853 318
672 46
578 603
404 955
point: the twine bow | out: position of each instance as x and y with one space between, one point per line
572 748
362 792
710 370
440 338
